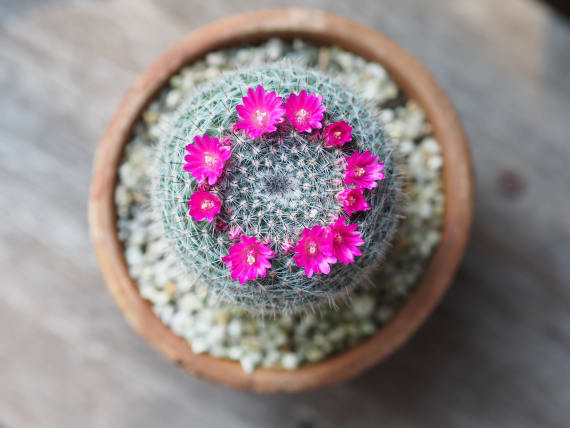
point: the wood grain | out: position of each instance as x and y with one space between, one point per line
494 354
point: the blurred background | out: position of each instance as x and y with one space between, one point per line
495 353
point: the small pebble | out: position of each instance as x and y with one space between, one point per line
250 360
362 306
384 314
199 346
290 361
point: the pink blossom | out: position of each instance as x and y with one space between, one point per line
234 233
345 240
204 206
338 133
363 170
234 128
248 259
260 112
203 187
206 158
315 251
221 226
353 201
228 142
315 136
287 246
305 111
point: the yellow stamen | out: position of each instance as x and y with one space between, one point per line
301 115
359 172
312 247
207 204
210 159
260 116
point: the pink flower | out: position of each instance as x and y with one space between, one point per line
260 112
287 246
345 240
206 158
228 142
338 133
234 233
363 170
314 251
204 205
248 259
203 187
305 111
234 128
353 201
220 225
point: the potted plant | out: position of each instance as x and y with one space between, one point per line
286 189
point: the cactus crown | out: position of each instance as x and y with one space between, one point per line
273 188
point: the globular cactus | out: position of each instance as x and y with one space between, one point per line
276 187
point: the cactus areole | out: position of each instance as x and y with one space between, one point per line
278 188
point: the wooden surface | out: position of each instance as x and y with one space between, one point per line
496 352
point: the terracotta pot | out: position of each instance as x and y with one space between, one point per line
319 28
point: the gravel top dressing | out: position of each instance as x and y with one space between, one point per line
282 342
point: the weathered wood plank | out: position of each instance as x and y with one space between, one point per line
494 354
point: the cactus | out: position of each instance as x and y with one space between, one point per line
273 188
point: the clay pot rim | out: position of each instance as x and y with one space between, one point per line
324 29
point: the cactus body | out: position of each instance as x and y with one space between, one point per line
272 188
